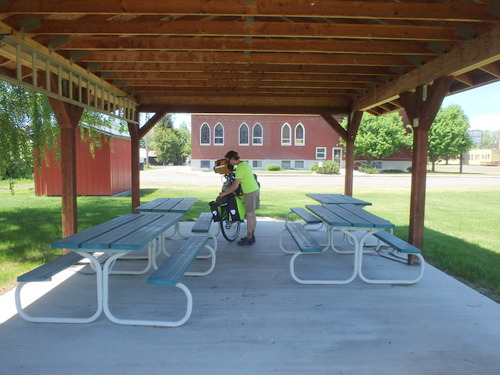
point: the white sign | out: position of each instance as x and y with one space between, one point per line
475 136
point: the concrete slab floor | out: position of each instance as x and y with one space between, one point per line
250 317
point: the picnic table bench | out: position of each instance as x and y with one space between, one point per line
45 272
301 239
202 226
404 247
171 272
308 217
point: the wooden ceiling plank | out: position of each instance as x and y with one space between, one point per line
238 83
235 68
237 57
278 77
279 8
89 26
238 105
238 44
493 68
466 78
235 91
255 109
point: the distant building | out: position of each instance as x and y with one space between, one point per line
291 141
482 157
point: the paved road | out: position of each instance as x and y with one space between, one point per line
473 177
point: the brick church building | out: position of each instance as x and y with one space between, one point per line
291 141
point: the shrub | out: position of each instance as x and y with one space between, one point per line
273 167
314 167
329 167
369 170
360 164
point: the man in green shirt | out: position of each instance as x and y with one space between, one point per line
244 175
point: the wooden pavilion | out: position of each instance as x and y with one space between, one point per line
323 57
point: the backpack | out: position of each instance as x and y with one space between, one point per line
255 176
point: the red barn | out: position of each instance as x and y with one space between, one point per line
108 172
291 141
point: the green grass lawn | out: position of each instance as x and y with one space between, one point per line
460 225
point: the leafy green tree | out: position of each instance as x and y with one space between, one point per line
449 134
28 125
185 135
28 128
166 122
168 142
167 145
489 139
94 122
379 137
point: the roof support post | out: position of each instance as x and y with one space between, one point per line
418 185
136 134
421 107
133 129
353 123
68 116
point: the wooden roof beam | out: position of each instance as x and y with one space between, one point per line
218 83
240 58
89 26
279 8
238 44
149 66
260 109
262 77
247 102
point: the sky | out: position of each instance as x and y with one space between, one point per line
481 105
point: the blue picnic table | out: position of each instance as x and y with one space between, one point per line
118 237
337 199
164 205
356 223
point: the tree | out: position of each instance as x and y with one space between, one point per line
185 135
379 137
489 139
169 143
449 134
29 128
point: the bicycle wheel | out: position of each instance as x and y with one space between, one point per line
230 229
